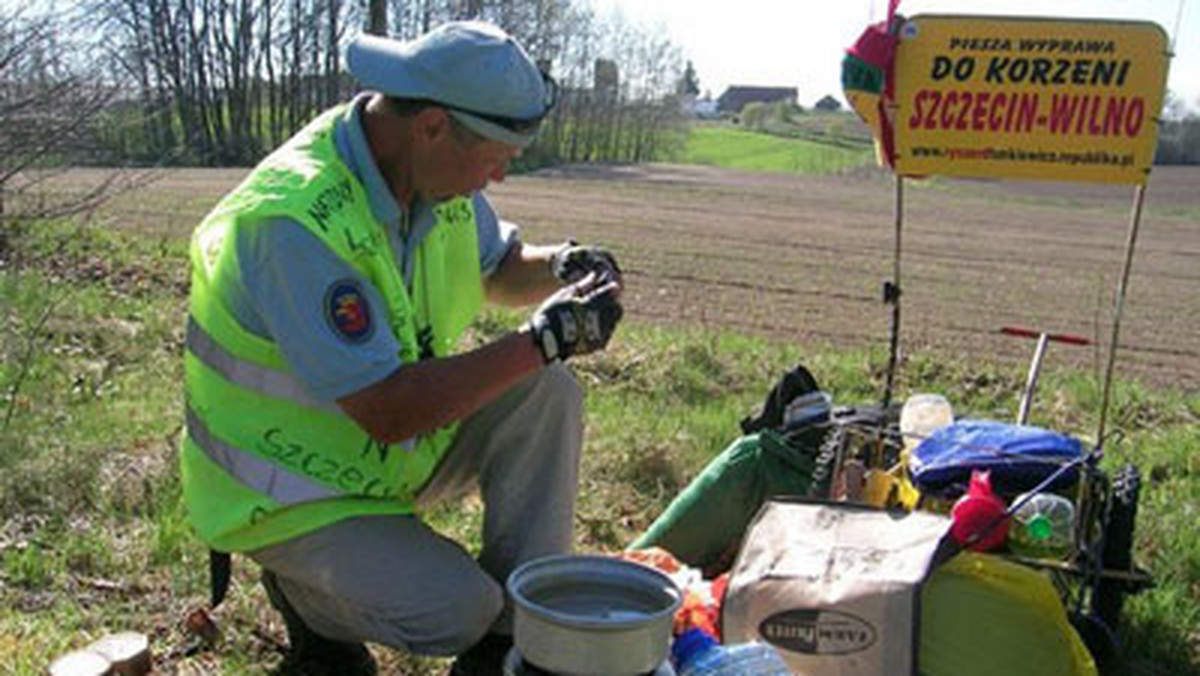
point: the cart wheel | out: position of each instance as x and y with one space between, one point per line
1118 545
1101 643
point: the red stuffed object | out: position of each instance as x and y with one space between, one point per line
980 521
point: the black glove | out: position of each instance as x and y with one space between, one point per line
573 262
578 319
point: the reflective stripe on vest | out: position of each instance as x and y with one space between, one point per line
261 379
268 381
253 472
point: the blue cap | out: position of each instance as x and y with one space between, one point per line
479 72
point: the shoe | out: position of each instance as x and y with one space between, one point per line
309 652
485 658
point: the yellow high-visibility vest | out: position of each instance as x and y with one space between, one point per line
263 460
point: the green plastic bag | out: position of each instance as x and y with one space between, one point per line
704 525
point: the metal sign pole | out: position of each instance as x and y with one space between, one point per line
1136 220
891 296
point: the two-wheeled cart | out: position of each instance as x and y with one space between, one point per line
949 96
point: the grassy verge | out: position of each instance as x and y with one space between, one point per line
93 540
737 149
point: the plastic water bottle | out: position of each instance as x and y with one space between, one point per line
1043 527
921 415
698 654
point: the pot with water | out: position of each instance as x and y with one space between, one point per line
592 615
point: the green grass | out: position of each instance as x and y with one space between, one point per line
93 538
723 146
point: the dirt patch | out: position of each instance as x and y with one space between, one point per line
804 258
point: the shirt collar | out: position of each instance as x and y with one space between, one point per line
352 146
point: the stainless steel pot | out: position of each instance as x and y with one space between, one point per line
592 615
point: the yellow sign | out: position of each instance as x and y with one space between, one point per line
1028 98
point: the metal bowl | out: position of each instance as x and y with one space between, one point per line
592 615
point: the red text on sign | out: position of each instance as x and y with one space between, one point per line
1020 112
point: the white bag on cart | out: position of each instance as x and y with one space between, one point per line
834 587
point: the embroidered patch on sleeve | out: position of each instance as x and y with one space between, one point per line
347 311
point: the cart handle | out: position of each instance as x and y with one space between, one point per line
1068 338
1044 338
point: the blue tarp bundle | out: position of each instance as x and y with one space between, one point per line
1018 456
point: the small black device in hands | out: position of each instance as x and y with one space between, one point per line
578 319
572 262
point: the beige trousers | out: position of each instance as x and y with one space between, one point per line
393 580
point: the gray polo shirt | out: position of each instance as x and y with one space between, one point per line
290 283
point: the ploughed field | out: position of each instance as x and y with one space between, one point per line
803 258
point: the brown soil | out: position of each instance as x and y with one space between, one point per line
803 258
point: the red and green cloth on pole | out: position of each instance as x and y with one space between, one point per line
868 81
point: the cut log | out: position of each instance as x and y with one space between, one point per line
128 651
81 663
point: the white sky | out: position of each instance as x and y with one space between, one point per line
800 43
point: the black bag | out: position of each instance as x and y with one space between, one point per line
794 384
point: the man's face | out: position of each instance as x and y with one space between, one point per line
459 165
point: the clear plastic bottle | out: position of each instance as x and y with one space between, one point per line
1043 527
698 654
921 415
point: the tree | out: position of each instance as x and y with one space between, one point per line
49 108
689 84
754 115
1178 134
1174 107
377 17
220 82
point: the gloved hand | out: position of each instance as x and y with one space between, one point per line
578 319
573 262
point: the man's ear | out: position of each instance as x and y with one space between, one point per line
432 124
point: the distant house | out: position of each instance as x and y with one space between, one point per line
706 109
697 108
736 98
828 105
